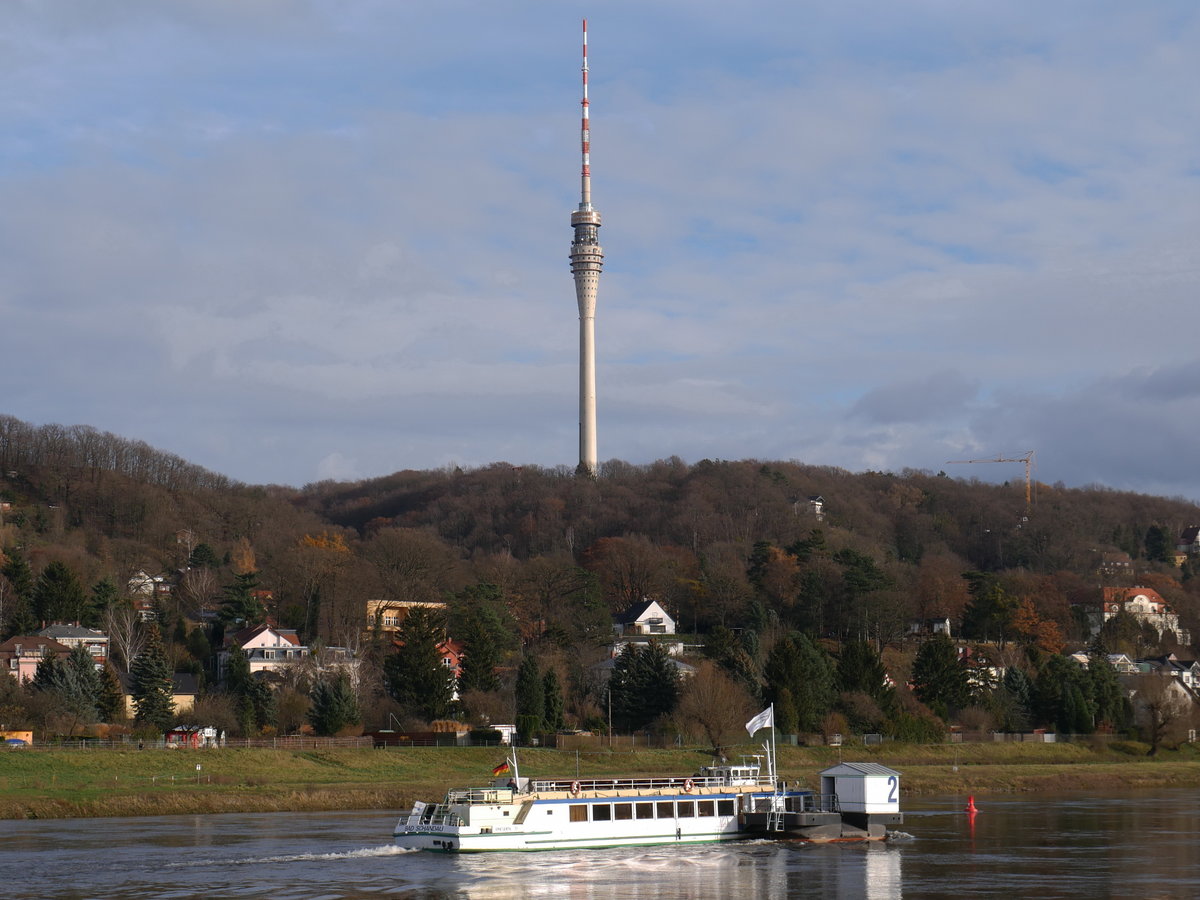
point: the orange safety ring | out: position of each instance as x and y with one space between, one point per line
687 786
575 788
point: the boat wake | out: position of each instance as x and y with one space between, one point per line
899 837
363 853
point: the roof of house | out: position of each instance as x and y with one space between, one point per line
1125 594
181 683
241 638
633 613
29 641
1190 534
59 630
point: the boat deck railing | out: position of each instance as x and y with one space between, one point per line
683 785
480 795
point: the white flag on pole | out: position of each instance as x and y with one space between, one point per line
765 719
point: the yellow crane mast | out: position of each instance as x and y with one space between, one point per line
1027 459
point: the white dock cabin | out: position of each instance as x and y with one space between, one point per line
863 787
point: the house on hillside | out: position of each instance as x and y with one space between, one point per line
143 589
1144 604
816 506
640 624
267 649
1186 670
647 617
95 642
20 655
184 689
924 628
385 616
1189 541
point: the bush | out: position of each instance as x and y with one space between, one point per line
1130 748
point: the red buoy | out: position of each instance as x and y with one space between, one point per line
971 804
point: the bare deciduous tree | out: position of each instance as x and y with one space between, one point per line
1163 709
715 705
125 635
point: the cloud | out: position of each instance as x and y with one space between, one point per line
879 240
936 397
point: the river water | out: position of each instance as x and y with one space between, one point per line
1129 845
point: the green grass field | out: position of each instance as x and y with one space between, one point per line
66 783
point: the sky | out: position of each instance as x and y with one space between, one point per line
298 240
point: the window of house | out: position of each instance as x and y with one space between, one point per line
601 812
268 654
579 812
645 810
624 811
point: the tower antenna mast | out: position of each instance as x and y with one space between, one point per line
587 259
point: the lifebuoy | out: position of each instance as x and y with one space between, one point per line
687 786
575 788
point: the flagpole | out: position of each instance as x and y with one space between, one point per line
516 768
774 751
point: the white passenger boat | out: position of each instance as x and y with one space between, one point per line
526 814
721 803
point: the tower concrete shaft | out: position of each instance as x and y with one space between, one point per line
587 259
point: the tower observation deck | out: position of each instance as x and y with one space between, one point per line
587 259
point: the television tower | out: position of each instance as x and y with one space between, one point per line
587 258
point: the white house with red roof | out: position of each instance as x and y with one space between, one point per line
1144 604
267 649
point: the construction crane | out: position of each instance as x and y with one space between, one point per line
1027 459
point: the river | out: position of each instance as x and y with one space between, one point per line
1129 845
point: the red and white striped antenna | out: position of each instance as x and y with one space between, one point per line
585 137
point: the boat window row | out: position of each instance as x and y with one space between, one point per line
661 809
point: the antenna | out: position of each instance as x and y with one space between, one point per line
585 137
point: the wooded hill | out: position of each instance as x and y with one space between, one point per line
719 543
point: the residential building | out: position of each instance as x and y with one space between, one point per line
1189 541
184 689
1144 604
95 642
267 649
385 616
1186 670
647 617
20 655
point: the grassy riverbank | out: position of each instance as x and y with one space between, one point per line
48 784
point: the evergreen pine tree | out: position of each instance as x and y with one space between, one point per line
939 679
414 675
240 607
153 688
334 706
18 607
859 669
1107 693
644 685
553 697
530 698
802 667
481 652
103 597
110 702
57 595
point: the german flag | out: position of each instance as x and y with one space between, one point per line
502 768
